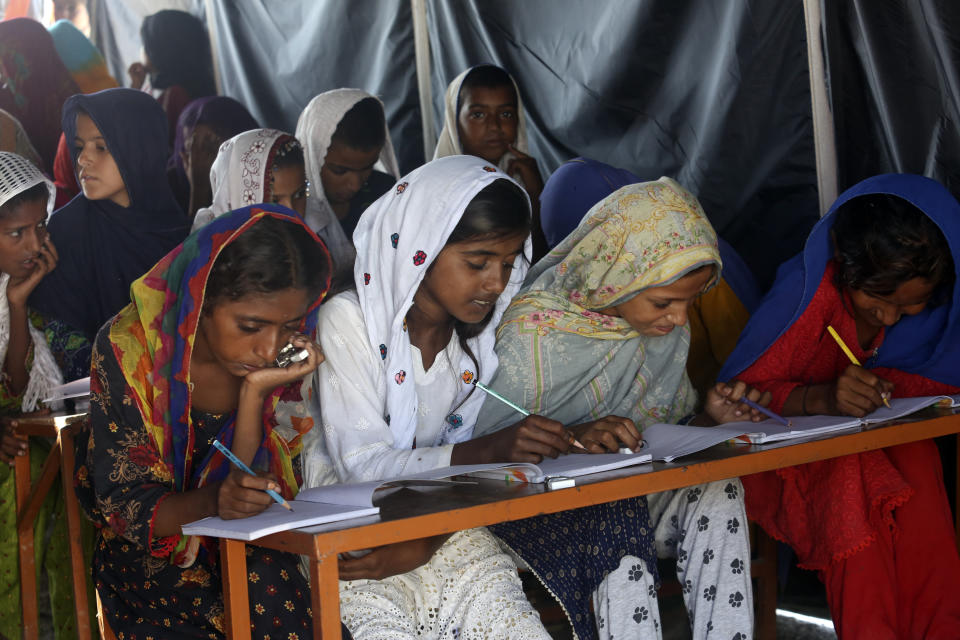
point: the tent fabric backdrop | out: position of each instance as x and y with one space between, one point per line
711 92
895 88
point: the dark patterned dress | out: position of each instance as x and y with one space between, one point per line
144 595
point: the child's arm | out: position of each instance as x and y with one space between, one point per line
256 386
15 365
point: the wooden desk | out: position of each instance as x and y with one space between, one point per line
30 497
406 515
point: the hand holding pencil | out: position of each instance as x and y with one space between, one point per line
858 391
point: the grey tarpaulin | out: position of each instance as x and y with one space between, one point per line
711 92
276 56
894 71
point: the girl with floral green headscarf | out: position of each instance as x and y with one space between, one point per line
598 339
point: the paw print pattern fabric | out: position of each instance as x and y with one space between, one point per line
397 240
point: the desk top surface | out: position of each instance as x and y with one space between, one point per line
412 513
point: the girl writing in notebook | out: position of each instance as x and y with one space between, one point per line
880 269
438 258
189 361
598 339
32 363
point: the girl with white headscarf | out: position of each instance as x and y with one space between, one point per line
483 116
439 258
254 167
355 176
34 360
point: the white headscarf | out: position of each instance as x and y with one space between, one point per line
397 239
448 144
17 175
238 177
315 129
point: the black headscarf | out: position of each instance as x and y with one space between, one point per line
177 45
103 246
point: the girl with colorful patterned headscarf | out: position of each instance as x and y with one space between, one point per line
598 340
189 361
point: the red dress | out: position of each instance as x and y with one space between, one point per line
876 525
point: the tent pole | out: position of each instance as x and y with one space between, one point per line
421 43
212 30
825 147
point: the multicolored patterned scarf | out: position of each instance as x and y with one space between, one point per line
153 340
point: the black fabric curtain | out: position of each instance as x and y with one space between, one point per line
894 78
711 92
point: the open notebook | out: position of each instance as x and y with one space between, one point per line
802 426
344 501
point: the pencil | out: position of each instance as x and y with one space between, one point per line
570 437
762 409
237 461
853 358
499 397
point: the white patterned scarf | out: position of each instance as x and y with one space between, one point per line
315 129
238 176
397 239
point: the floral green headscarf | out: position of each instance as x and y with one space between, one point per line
561 358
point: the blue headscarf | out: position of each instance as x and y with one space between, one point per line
926 344
580 183
104 247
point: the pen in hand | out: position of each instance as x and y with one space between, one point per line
239 463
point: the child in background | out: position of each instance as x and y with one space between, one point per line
176 58
31 367
203 126
125 220
881 269
262 165
344 136
483 116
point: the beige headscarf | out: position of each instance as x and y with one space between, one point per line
449 142
315 128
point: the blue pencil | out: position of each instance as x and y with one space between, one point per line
762 409
237 461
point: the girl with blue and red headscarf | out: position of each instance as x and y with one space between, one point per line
188 361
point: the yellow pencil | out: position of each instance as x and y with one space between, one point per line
853 358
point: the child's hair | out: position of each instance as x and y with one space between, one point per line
487 76
273 255
499 209
362 127
883 241
290 154
36 193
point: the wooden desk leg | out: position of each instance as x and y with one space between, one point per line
236 602
28 571
77 562
325 597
